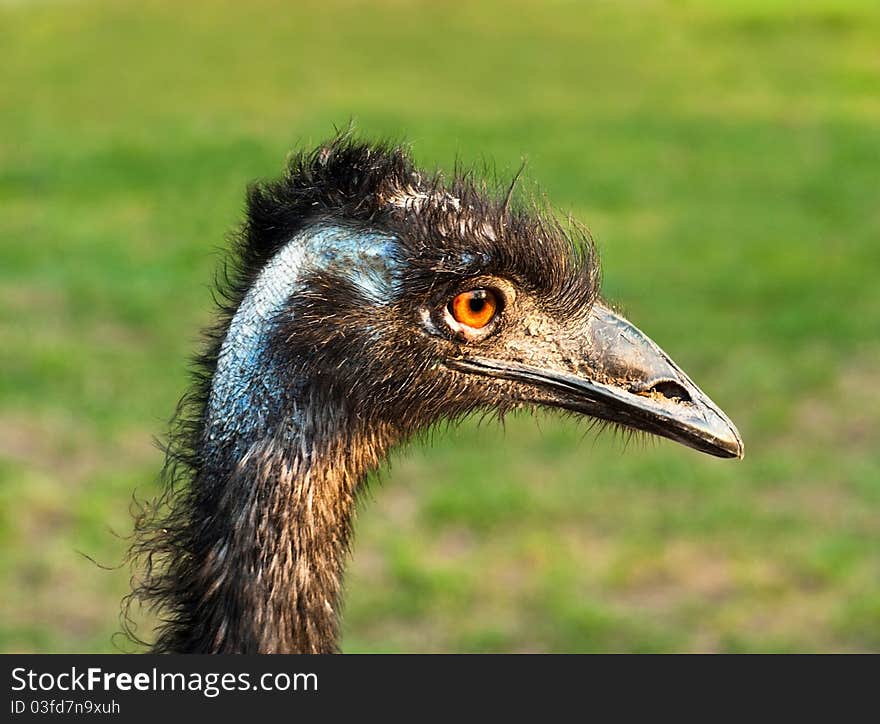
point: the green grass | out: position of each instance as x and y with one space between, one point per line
726 157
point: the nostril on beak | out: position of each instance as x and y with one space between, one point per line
670 390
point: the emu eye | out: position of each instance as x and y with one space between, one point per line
474 309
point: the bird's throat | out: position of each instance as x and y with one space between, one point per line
287 532
268 542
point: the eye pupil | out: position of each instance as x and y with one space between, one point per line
477 304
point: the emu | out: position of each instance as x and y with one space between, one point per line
366 301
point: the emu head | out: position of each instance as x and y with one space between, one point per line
376 297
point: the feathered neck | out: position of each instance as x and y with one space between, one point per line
267 539
255 545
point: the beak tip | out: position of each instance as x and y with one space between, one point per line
737 451
740 448
716 431
732 443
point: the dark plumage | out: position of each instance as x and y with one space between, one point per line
341 336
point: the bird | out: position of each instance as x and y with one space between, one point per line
363 301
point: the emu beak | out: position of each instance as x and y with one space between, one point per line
623 376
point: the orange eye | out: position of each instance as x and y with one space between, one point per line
474 309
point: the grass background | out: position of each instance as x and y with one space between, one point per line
725 155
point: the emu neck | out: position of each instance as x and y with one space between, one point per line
268 518
270 536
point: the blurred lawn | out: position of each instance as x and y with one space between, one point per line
725 154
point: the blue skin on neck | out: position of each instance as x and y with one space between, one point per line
247 391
